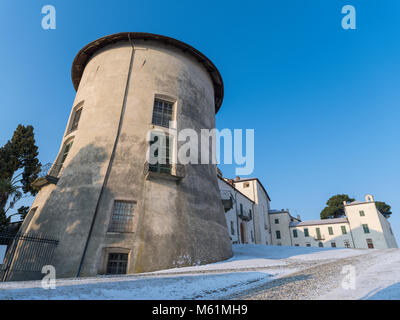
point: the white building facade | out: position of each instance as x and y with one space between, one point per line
250 219
362 227
239 213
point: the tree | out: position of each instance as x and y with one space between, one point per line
335 206
383 208
19 167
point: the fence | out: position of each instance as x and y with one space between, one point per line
25 255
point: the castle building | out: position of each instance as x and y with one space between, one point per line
363 226
111 210
246 204
247 209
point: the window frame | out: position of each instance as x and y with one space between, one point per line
118 261
344 230
366 228
114 226
295 234
330 231
278 234
78 107
169 143
164 100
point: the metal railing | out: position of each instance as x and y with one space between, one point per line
25 254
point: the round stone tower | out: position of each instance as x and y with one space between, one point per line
111 210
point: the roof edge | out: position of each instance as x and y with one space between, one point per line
83 56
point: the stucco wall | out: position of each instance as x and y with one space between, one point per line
176 223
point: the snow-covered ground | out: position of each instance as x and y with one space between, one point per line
251 267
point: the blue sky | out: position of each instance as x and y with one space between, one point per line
323 101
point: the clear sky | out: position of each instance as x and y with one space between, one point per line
324 102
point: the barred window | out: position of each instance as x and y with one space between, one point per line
162 113
122 217
117 263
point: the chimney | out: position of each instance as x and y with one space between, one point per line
298 217
237 178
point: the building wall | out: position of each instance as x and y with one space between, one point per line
261 207
176 223
282 226
379 227
338 237
232 216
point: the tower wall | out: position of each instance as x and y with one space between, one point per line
177 222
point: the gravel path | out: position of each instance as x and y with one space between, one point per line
309 283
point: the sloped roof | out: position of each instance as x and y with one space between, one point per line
317 222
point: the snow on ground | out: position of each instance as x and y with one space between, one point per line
250 267
377 278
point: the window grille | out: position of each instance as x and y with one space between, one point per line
117 263
122 217
162 113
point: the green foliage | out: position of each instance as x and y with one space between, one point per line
19 167
335 206
383 208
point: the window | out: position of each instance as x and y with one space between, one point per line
56 169
344 231
320 244
333 244
318 231
370 244
362 213
117 263
365 228
75 119
276 221
161 161
278 234
330 230
347 243
306 234
241 209
122 217
295 233
246 185
162 113
252 236
65 152
232 228
250 213
296 245
308 245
